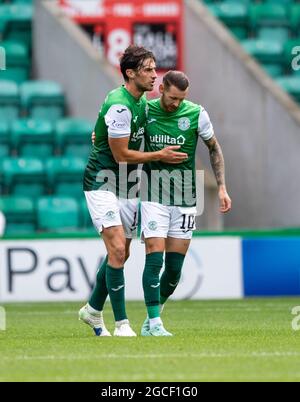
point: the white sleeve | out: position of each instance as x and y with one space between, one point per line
118 121
205 127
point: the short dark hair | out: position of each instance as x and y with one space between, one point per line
176 78
133 58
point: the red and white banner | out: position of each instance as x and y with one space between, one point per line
114 24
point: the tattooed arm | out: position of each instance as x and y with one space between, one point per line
218 166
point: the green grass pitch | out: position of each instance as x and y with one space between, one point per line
245 340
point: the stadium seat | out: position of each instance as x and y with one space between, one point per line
17 62
32 138
274 70
265 51
246 2
4 139
291 85
240 32
23 1
19 213
285 2
65 175
57 214
23 176
85 219
73 137
294 17
9 101
80 151
15 22
278 34
268 15
42 100
273 24
231 13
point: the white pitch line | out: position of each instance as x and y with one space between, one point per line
261 354
212 309
41 313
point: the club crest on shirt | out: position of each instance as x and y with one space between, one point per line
184 123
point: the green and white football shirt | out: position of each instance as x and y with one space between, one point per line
121 115
174 185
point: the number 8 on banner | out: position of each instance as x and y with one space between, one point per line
118 40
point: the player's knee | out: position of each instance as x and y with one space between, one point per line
117 255
154 248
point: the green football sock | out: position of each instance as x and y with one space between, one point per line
115 283
151 285
100 293
171 275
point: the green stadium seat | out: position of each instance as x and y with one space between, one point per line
291 85
73 137
19 213
16 21
23 1
79 151
274 70
17 62
230 13
268 15
57 214
239 32
23 176
64 189
42 100
285 2
9 101
4 139
17 229
246 2
278 34
65 175
294 17
85 218
33 138
265 51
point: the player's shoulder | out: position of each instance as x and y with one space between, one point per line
117 96
191 107
153 107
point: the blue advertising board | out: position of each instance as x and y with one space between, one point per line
271 266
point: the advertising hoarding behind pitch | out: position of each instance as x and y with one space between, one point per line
65 270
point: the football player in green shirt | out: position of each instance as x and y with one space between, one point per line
119 132
168 205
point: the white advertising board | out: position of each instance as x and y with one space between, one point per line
64 270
